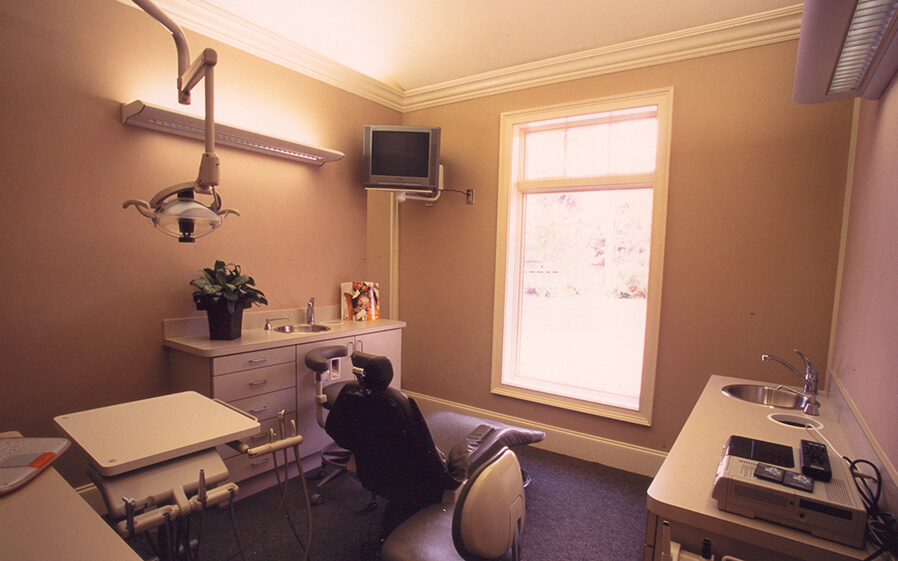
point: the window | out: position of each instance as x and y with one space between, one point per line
580 247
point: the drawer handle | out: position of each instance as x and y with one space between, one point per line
258 383
258 360
259 410
258 436
261 462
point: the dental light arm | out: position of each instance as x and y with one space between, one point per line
183 217
180 45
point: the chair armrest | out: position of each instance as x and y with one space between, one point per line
458 458
318 360
482 444
448 429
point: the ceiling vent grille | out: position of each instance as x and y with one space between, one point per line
846 50
868 28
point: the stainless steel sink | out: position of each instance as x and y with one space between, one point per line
766 395
302 328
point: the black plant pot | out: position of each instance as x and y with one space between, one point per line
223 325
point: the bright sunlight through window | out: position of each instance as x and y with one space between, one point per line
580 248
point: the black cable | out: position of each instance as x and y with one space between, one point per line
861 479
882 529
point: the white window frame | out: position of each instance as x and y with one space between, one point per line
509 242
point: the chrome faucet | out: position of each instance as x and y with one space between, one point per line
269 320
310 311
811 379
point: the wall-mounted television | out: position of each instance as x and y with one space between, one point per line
401 158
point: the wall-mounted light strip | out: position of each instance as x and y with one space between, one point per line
148 116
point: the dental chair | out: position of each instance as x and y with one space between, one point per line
465 504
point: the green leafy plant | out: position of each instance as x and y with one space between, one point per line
225 282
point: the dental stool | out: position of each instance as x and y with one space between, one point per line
398 455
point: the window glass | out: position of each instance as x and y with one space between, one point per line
585 280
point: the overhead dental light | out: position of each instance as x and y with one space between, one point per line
175 210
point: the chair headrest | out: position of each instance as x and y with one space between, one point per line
374 372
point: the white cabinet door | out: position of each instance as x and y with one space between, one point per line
386 343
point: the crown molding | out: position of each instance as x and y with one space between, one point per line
741 33
204 18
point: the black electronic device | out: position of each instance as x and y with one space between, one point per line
752 481
401 158
771 453
814 459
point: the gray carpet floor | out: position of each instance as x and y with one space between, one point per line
576 511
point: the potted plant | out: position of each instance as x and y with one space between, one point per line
223 292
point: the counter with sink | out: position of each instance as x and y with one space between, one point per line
681 491
191 335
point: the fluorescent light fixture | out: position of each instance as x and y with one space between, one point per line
846 49
141 114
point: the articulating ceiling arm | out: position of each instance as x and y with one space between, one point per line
180 43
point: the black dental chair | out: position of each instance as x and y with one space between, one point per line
467 504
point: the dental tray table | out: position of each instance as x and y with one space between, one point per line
122 438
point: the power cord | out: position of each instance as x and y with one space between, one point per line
882 528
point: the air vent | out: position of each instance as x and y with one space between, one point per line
867 30
846 49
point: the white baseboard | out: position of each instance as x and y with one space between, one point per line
612 453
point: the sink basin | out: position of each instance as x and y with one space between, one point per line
302 328
765 395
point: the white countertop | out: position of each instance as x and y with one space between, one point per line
47 520
255 338
681 491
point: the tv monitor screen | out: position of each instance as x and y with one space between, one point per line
401 157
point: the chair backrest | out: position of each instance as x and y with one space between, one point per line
394 452
489 513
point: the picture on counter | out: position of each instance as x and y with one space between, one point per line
360 301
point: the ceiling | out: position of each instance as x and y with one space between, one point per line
413 53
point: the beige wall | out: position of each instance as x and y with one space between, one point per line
87 283
753 230
756 188
865 347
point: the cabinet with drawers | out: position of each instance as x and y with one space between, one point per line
262 383
265 382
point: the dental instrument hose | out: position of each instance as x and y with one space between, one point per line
272 448
234 524
306 549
